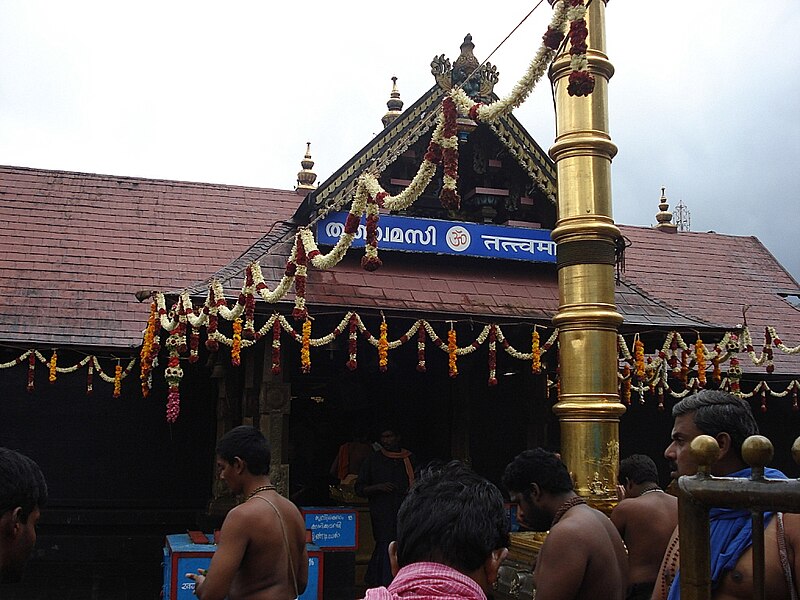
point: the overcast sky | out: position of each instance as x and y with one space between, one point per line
705 99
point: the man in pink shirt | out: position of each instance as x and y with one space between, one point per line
452 535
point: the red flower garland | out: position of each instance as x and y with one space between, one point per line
581 83
421 349
449 195
276 347
90 379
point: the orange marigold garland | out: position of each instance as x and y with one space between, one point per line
236 348
536 352
451 352
53 362
383 348
492 355
421 349
31 367
117 380
305 350
148 356
352 342
702 363
276 347
638 358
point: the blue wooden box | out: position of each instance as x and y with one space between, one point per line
182 556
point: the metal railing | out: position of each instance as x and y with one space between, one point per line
699 493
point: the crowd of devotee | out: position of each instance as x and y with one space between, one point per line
443 531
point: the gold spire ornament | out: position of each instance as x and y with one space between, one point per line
306 177
394 104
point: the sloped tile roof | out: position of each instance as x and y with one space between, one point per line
76 248
722 279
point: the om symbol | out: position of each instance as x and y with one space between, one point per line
458 238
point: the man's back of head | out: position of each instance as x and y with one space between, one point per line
638 468
451 516
539 466
249 444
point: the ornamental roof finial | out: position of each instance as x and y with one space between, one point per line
306 177
663 216
478 83
394 104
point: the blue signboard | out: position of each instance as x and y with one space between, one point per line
332 527
411 234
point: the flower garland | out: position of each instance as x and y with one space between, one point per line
493 355
90 379
449 143
53 364
581 82
383 348
352 342
236 348
625 385
148 356
300 311
173 374
31 366
370 261
536 352
452 346
638 358
117 380
276 347
305 352
700 353
421 350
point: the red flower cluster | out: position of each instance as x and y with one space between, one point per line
31 367
581 83
371 263
352 343
552 38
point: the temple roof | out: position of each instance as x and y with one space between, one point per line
77 247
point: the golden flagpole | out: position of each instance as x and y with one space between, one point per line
588 406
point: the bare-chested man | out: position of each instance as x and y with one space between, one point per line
583 556
729 420
645 518
261 552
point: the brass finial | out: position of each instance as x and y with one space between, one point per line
664 217
394 104
705 451
306 177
